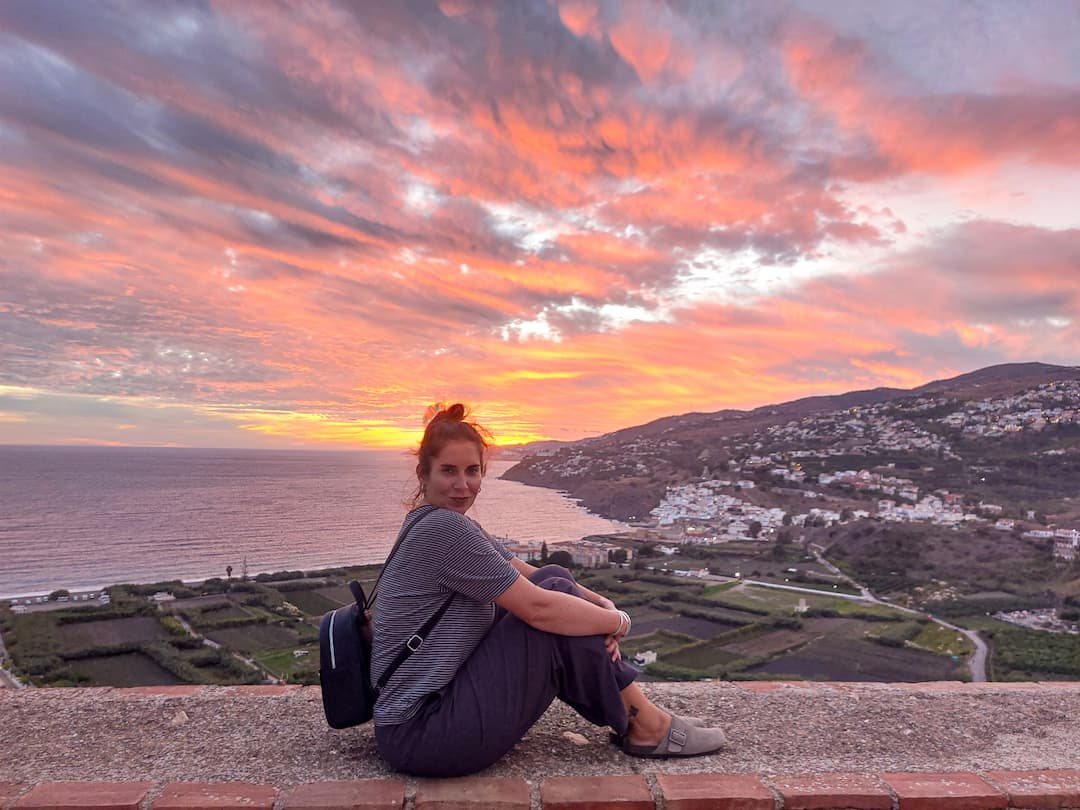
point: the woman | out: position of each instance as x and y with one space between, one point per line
513 637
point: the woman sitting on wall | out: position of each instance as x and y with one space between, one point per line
512 638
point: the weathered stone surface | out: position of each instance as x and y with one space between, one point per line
178 691
80 795
1038 788
472 793
216 796
945 791
367 794
246 735
824 791
9 791
714 791
596 793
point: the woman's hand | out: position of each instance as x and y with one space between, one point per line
604 602
611 642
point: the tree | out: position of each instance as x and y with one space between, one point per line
228 572
755 528
787 519
560 557
619 556
543 553
59 592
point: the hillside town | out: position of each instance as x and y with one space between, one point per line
1048 404
712 511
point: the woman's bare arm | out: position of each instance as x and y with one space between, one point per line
557 612
526 570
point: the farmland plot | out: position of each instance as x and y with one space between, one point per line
255 637
129 669
312 603
709 657
835 658
698 628
108 632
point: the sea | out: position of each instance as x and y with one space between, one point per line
83 518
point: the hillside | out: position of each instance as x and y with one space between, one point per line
623 474
956 487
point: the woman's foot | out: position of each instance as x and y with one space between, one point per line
681 738
647 729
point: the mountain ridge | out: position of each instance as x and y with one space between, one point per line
989 377
624 474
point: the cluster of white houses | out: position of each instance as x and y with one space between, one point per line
1048 404
1066 541
585 553
23 604
859 430
710 516
730 516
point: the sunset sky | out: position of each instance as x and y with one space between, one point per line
282 224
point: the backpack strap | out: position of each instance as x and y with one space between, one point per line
413 643
416 640
424 511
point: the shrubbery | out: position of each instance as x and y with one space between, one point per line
671 672
1023 650
279 576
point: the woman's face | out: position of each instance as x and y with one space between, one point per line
455 477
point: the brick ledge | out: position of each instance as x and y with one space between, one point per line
992 790
807 741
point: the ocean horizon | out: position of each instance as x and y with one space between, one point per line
83 518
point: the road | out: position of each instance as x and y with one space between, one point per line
976 663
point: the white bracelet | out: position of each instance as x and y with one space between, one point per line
624 616
618 632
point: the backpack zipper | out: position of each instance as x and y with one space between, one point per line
333 656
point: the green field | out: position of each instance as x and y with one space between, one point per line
215 613
693 627
285 665
255 637
776 600
200 602
839 658
941 640
128 669
709 657
660 642
311 603
109 632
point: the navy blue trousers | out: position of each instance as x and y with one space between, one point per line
502 689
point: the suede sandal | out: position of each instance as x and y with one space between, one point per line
617 739
683 740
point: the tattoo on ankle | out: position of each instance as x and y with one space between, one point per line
632 711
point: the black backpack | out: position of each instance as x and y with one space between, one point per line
345 636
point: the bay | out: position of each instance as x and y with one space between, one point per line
86 517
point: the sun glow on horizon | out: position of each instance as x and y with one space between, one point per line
606 214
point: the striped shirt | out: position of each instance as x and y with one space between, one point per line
444 553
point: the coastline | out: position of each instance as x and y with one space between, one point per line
82 590
108 518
